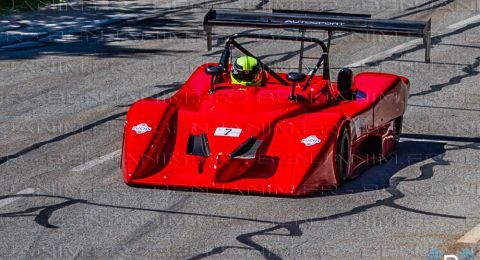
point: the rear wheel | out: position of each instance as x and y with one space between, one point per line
342 158
397 129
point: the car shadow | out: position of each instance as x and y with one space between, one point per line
413 149
378 176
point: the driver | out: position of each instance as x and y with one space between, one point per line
247 72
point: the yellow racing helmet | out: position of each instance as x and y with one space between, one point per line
246 71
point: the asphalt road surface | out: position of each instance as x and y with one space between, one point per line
62 108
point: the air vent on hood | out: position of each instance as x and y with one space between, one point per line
198 145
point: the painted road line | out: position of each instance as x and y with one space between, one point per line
7 201
421 140
464 22
409 44
96 161
471 237
385 53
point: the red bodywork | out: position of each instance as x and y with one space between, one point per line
157 133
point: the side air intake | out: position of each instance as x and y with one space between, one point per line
247 150
198 145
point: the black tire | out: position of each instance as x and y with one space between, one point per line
397 129
342 158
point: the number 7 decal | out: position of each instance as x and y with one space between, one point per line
230 132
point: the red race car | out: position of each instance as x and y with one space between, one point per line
244 127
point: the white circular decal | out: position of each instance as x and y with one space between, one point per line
311 140
141 128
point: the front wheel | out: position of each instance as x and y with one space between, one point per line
342 158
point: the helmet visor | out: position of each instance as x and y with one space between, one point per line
246 75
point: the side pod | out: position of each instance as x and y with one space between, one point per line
149 138
306 147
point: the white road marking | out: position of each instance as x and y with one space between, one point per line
7 201
472 236
422 140
385 53
408 44
464 22
96 161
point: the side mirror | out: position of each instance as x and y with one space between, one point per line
214 71
344 83
295 77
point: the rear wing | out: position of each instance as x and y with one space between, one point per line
325 21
